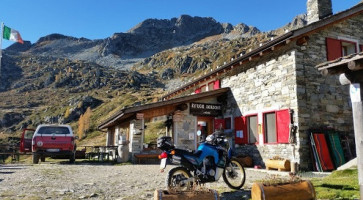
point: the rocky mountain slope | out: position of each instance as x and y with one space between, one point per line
57 78
122 50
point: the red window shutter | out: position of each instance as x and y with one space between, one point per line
283 124
219 123
333 49
240 126
197 91
360 48
217 84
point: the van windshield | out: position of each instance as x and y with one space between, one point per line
49 130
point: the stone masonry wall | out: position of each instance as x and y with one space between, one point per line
267 84
322 100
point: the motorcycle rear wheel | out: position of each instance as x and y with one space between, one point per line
175 178
234 175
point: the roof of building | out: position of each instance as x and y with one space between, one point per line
341 65
126 113
283 39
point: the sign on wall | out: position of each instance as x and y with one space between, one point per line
205 109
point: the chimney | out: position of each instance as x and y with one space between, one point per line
318 9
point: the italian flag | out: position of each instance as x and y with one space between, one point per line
11 34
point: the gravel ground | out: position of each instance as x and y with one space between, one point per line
54 180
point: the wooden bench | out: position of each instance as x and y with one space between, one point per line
142 156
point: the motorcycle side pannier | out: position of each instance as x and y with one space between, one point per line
164 143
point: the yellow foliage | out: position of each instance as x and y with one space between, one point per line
67 113
80 127
84 123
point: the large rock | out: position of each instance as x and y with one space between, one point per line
11 118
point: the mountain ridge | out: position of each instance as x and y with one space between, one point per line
38 81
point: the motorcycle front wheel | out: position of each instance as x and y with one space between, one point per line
234 174
177 179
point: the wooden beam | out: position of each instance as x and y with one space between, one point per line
351 77
333 70
345 79
355 65
302 41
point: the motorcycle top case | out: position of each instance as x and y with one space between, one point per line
164 143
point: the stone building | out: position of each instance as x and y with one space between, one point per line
275 95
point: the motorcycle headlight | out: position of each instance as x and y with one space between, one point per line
210 138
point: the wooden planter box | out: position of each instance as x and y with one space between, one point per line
189 195
303 190
281 165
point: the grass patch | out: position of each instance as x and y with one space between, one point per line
339 185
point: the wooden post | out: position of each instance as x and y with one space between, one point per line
356 98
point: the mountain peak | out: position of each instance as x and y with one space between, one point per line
57 36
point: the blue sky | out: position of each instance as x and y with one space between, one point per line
96 19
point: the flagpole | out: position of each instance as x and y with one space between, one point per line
1 48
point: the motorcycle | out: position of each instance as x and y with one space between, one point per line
212 160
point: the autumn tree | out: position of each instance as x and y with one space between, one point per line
67 113
80 127
84 123
87 117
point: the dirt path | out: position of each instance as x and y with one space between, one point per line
86 181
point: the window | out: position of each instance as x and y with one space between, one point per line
203 88
270 127
210 86
213 85
338 48
348 48
28 134
228 123
276 126
49 130
219 124
252 128
246 128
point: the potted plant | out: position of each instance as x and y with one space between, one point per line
277 188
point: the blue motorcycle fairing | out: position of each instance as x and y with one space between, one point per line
208 150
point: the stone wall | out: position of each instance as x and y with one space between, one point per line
267 84
322 100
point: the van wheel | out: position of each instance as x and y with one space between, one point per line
35 158
42 159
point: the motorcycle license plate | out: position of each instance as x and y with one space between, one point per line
163 163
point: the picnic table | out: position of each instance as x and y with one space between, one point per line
101 152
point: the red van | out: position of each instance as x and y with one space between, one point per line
55 141
26 140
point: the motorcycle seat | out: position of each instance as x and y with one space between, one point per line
188 152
